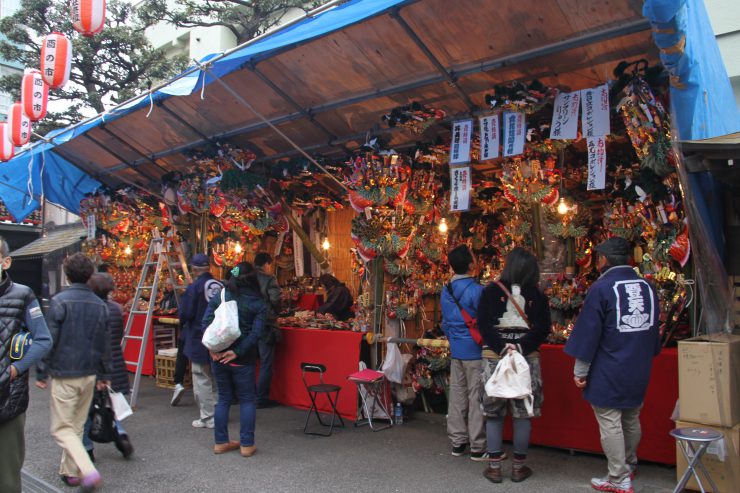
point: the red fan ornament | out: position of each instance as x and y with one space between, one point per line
6 146
88 16
56 59
34 95
19 124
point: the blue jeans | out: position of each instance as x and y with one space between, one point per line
89 445
266 351
231 379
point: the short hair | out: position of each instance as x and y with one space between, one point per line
101 284
520 267
261 259
328 281
4 247
104 267
615 260
78 268
460 259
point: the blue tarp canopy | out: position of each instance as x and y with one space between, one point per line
326 80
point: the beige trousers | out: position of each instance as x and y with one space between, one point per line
70 405
465 421
620 435
204 390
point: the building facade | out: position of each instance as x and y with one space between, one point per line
725 18
7 7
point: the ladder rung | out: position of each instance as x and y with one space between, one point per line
138 338
146 287
132 363
139 312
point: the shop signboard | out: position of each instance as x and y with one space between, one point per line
489 140
462 134
460 185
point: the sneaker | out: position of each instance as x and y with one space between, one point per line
606 484
203 423
177 395
91 482
479 456
458 450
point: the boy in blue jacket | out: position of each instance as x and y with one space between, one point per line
465 421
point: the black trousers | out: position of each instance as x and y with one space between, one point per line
181 363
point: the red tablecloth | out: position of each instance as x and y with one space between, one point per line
309 302
131 353
338 350
568 421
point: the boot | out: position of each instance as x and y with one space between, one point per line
248 451
520 471
493 471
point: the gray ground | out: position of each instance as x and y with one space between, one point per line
172 456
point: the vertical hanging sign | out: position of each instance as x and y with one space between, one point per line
461 182
462 133
596 148
91 227
515 131
298 251
279 244
565 116
489 142
595 111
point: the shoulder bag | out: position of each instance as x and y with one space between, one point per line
471 322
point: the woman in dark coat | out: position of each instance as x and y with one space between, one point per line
513 315
102 284
338 298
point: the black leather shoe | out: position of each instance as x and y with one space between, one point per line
123 444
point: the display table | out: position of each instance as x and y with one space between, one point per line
338 350
131 352
568 421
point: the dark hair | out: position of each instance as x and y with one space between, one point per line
101 283
328 281
261 259
104 267
4 248
460 259
78 268
247 278
615 260
520 267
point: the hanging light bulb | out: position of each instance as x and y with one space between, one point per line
127 250
443 226
238 247
326 245
562 207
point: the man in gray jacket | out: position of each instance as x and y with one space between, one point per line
77 320
270 290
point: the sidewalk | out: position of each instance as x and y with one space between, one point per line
172 456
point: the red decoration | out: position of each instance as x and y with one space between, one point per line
88 16
19 124
56 59
6 146
34 95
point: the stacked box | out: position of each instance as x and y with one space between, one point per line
165 370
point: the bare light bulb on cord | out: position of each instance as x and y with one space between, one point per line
443 226
238 247
326 245
562 207
127 250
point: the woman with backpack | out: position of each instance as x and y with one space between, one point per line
513 315
234 368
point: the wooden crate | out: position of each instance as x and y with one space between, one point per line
165 372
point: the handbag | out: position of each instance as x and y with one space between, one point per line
512 380
19 344
471 322
103 427
121 407
224 330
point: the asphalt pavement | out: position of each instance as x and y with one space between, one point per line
172 456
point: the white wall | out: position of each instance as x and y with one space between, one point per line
725 18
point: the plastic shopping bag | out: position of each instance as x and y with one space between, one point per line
512 380
224 330
120 405
394 364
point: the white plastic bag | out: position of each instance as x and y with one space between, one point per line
121 407
512 380
224 329
394 364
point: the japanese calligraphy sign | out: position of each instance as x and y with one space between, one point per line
565 116
34 95
515 132
299 261
88 16
596 149
461 182
595 111
462 134
56 60
6 146
489 141
20 125
91 227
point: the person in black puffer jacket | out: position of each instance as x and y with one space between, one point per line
102 284
234 369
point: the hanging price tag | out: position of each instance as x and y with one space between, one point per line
596 148
489 140
462 133
515 131
595 112
565 116
460 186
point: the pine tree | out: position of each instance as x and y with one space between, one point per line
108 68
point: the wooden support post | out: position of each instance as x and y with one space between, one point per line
378 288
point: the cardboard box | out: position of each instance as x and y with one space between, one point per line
722 460
709 380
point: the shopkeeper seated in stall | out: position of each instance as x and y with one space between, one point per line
168 303
338 298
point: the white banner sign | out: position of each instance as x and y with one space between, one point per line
489 141
462 133
461 182
595 112
596 148
279 244
515 131
298 251
565 116
91 227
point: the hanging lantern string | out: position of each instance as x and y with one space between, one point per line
238 97
151 104
203 86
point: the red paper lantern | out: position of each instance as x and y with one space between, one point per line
88 16
20 125
6 146
34 95
56 60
